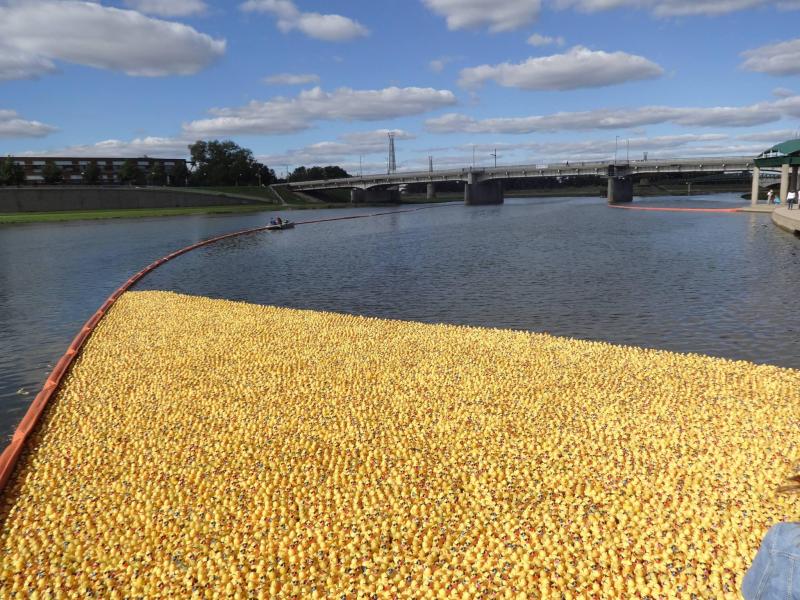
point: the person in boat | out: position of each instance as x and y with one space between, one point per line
770 575
279 221
273 221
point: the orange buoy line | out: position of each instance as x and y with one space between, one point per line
12 452
690 210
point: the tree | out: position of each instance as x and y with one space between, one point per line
318 173
11 173
265 175
52 173
299 174
225 163
179 174
335 173
130 173
91 174
158 174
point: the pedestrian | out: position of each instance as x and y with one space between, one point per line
770 197
770 575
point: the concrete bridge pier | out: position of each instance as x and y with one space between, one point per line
484 192
755 190
357 196
620 189
785 170
431 192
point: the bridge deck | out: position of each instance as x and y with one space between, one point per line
565 169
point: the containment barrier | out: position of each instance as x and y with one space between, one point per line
687 210
12 452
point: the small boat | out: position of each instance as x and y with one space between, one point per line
281 227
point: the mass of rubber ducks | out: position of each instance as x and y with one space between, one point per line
207 448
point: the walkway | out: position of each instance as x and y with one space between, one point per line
787 219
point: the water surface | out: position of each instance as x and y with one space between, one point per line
719 284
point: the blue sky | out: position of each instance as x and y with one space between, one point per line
313 82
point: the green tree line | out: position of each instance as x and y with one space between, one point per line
225 163
213 164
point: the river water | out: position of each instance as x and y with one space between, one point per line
719 284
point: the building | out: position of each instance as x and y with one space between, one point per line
72 169
785 158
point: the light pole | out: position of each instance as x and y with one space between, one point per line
494 154
616 148
473 156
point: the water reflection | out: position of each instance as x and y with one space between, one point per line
718 284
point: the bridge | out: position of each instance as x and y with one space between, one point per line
485 185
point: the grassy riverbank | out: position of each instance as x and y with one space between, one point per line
372 457
271 201
127 213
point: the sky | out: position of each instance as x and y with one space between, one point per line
318 82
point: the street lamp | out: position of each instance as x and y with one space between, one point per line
494 154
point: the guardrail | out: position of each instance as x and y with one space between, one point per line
534 170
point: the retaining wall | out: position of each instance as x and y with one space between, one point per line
53 199
787 219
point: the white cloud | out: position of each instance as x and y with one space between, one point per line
675 8
554 151
577 68
16 64
329 28
770 138
775 59
14 126
782 92
506 15
169 8
599 148
438 65
537 39
85 33
154 147
287 115
620 119
292 79
497 15
349 147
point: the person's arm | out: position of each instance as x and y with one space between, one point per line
775 572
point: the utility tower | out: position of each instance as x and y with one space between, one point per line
392 157
430 164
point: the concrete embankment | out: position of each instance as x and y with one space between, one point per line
205 447
787 219
64 198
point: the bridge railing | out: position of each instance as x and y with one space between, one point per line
536 169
